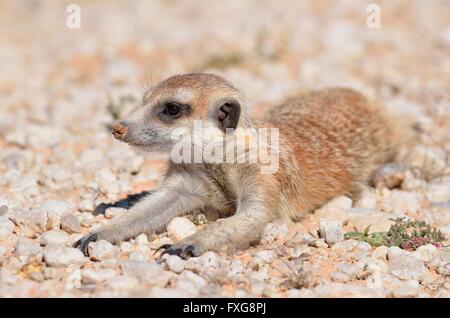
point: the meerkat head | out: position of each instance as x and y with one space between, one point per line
178 102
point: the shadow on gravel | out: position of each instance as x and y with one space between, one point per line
126 203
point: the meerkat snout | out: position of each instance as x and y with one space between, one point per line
119 131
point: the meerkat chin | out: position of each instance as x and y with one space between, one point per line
330 143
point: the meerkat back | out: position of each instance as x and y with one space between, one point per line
332 141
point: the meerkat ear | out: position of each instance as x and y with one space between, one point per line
227 113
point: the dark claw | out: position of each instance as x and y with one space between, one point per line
188 252
83 243
164 246
101 208
184 252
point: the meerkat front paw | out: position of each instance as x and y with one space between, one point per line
183 249
83 243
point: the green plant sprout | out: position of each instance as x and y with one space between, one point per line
406 234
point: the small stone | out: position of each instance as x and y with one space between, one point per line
107 181
135 164
407 268
444 254
123 283
236 267
257 288
334 209
17 137
210 259
375 265
331 230
394 251
367 200
37 276
266 256
86 219
54 238
57 206
141 239
70 224
109 263
180 228
59 256
301 251
351 270
445 230
143 248
2 251
320 243
302 238
3 210
113 212
33 220
55 209
380 252
102 250
364 247
73 279
339 277
426 252
28 247
438 189
402 202
91 276
6 228
86 206
189 281
138 256
175 264
344 247
61 175
126 247
435 261
444 269
405 292
91 155
150 272
431 160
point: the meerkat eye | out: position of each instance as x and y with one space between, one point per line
172 109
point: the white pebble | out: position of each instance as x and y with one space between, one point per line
394 251
175 264
331 230
141 239
54 238
179 228
380 252
63 256
86 205
92 276
102 250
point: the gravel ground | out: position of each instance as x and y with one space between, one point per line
58 159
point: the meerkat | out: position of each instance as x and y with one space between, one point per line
330 143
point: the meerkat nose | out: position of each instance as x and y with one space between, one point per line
119 131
